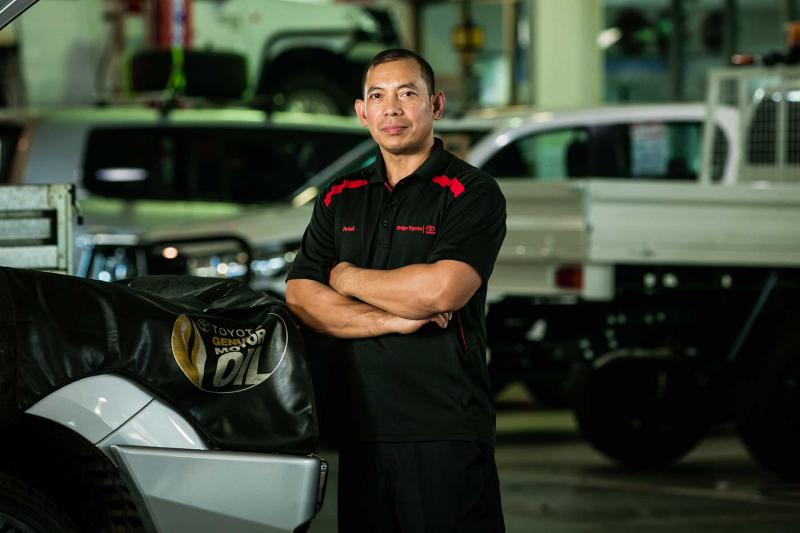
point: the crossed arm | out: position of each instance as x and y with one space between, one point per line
363 302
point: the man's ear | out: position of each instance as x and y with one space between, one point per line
361 110
438 100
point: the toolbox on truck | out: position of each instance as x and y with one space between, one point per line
36 227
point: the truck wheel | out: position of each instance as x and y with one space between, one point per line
641 411
770 426
23 509
312 94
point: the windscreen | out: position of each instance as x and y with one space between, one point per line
226 164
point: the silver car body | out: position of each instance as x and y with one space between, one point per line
181 483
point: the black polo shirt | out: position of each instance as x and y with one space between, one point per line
432 384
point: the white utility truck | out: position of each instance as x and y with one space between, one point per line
664 307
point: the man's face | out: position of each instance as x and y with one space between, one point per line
397 108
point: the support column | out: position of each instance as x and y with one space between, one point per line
730 35
566 62
677 51
510 48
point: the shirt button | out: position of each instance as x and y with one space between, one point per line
385 223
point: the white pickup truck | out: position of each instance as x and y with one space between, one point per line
659 308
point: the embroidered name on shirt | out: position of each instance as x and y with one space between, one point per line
348 229
427 230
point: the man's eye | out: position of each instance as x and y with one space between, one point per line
374 96
409 93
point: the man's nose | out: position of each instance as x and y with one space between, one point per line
392 107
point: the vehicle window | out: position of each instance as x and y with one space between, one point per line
655 150
551 155
366 159
242 165
9 136
460 141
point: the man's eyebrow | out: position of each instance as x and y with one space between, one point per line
409 85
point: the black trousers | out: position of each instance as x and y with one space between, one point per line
419 487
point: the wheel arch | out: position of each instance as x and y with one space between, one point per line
72 472
276 71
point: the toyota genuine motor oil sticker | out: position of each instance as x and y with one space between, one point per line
218 357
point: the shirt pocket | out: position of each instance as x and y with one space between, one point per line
350 241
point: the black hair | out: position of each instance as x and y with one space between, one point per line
396 54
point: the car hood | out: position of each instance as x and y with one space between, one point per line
258 226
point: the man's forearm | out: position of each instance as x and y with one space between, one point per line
324 310
412 291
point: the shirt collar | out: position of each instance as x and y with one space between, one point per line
433 166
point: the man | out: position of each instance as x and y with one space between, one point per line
396 260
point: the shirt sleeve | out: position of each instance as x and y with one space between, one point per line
317 253
473 229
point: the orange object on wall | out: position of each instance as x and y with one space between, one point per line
171 23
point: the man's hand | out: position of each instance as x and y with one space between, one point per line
339 276
442 319
404 326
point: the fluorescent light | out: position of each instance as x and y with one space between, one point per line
608 38
121 175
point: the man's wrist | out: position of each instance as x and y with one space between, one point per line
349 278
341 278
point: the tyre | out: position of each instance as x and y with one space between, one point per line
312 94
770 425
23 509
642 411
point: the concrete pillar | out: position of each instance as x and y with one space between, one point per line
566 62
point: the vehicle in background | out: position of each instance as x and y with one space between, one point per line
667 307
299 56
550 139
278 55
136 168
258 248
653 142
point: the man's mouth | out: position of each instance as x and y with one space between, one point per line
393 130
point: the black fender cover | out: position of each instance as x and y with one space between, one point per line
229 358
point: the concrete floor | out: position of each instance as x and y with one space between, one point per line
553 482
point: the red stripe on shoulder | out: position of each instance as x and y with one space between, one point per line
455 186
340 187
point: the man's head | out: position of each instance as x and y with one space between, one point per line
400 102
397 54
